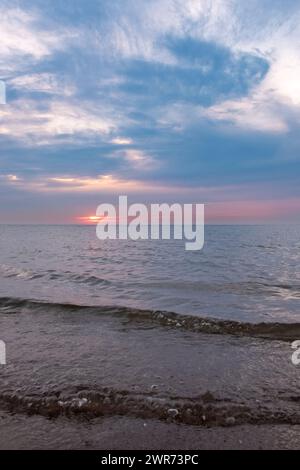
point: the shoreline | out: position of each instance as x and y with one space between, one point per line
116 433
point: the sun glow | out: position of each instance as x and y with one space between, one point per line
90 219
94 219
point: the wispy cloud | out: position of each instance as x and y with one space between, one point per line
31 123
9 178
198 94
122 141
49 83
24 40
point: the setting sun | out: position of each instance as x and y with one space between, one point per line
90 218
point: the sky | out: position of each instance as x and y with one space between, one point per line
161 100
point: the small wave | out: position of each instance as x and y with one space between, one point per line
247 288
28 275
88 279
78 278
9 271
271 331
287 291
205 409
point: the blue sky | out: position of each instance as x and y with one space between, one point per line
163 100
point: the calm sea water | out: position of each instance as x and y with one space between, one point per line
247 273
147 337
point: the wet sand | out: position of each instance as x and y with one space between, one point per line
81 378
114 433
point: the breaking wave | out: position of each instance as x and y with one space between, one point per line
270 330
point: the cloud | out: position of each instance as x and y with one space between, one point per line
196 95
137 159
85 184
122 141
266 31
32 123
9 178
256 112
49 83
204 74
99 183
24 40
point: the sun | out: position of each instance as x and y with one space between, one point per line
94 218
90 219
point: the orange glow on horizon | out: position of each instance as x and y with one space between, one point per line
93 219
90 218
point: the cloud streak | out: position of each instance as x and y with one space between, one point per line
157 94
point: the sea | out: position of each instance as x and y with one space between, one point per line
141 344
